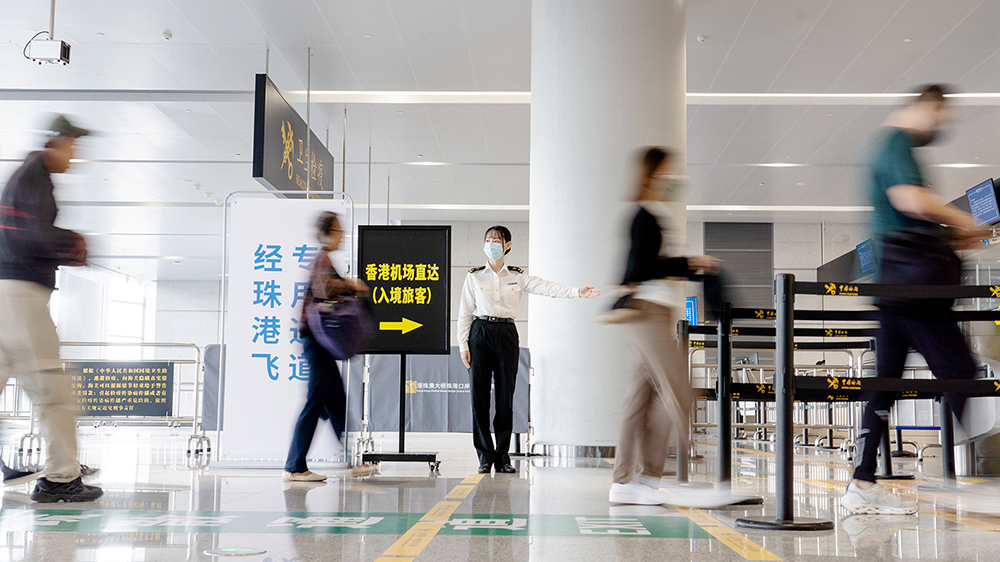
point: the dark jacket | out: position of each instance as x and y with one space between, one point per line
644 259
31 246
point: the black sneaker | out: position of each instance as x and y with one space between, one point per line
47 491
13 477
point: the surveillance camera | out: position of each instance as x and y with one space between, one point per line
51 51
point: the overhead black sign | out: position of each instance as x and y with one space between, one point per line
281 153
408 269
123 388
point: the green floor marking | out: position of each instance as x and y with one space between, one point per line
124 521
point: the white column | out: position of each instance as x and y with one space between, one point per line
607 77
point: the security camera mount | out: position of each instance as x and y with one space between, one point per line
51 50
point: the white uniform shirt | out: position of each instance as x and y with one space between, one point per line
487 293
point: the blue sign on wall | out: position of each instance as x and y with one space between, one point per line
691 310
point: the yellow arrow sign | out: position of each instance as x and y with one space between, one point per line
406 326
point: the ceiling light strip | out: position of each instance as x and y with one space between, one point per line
781 208
497 98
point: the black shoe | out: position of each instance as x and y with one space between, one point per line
506 469
485 468
47 491
13 477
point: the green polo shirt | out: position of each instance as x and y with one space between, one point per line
893 164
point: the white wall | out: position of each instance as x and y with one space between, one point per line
187 312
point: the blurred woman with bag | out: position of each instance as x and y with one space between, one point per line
659 396
325 396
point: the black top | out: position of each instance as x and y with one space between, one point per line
31 246
644 259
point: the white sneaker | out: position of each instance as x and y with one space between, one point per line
877 500
634 493
303 477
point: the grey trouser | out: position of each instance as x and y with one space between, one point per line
659 397
29 351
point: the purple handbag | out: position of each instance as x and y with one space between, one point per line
343 326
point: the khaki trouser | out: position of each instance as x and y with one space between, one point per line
659 397
29 351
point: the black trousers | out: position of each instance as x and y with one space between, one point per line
494 348
942 345
325 397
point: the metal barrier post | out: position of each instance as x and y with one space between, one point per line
886 453
683 433
784 397
724 396
947 442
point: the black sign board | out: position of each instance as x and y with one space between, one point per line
408 269
281 158
123 388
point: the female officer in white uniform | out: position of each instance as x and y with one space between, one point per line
488 341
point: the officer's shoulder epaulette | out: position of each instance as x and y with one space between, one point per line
475 269
515 269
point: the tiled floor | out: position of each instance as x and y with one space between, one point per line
157 509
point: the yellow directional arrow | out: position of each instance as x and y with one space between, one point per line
406 326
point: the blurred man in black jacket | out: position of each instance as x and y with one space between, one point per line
31 249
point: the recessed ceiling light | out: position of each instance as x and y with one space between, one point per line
208 194
761 183
187 180
702 38
961 165
238 154
400 112
368 35
196 186
975 158
801 183
829 114
100 33
187 111
788 157
907 40
105 179
177 262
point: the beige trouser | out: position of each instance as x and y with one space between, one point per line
29 351
659 397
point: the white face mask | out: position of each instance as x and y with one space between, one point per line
493 250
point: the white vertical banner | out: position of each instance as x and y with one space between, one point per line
272 245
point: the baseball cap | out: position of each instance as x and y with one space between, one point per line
61 127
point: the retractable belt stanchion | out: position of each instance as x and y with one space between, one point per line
886 453
784 391
724 394
683 433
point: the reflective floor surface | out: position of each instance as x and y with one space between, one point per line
157 509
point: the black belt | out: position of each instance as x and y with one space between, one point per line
496 319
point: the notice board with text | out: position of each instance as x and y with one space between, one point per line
124 388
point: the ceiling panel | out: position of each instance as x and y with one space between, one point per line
779 24
925 22
499 69
430 22
875 70
750 70
442 68
840 26
813 70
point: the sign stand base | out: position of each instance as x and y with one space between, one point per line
402 456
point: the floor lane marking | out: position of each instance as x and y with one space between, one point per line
440 512
416 539
460 492
387 559
975 521
728 536
473 479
